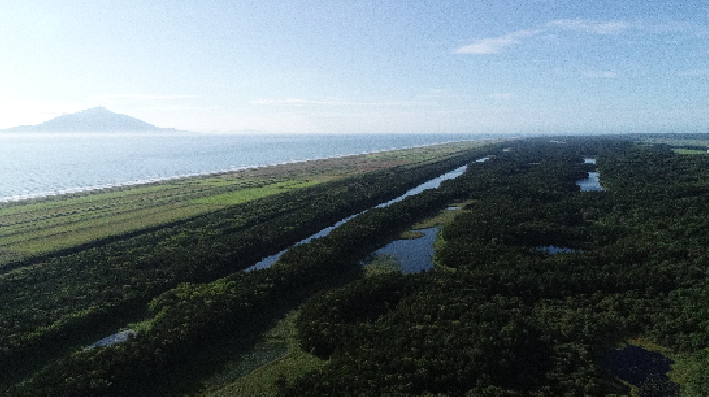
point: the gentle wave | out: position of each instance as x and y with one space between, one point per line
95 187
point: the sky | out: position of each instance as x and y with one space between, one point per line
335 66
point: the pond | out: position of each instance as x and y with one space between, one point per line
113 339
641 368
413 255
591 184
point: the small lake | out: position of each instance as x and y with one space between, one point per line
113 339
592 184
642 368
414 255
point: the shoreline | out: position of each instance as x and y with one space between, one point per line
119 186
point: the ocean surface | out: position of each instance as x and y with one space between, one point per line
36 165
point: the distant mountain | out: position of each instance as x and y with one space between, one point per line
98 119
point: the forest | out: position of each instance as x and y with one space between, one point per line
60 302
498 315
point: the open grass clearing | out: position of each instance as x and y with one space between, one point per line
49 239
443 217
690 151
88 199
59 225
277 355
381 264
244 195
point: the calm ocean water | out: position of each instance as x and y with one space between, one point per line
35 165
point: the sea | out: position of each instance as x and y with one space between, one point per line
42 164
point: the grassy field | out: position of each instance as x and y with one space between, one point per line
244 195
39 226
689 151
276 356
678 142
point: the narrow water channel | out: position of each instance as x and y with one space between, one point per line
432 184
592 183
553 250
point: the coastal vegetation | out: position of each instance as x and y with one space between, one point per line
44 226
499 315
58 302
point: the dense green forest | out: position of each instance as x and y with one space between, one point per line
69 299
499 315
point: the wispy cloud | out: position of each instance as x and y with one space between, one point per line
501 95
695 73
144 96
603 74
299 101
589 26
436 94
493 45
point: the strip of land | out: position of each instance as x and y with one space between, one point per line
318 323
39 226
68 295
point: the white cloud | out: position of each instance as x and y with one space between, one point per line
493 45
589 26
143 96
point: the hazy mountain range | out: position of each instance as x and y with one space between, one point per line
97 119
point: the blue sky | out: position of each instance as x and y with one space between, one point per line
361 66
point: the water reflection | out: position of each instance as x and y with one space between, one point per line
115 338
592 184
432 184
641 368
552 250
414 255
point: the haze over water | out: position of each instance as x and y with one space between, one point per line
42 164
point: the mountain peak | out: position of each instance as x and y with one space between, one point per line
95 119
96 109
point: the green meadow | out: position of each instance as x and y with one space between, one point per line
689 151
244 195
